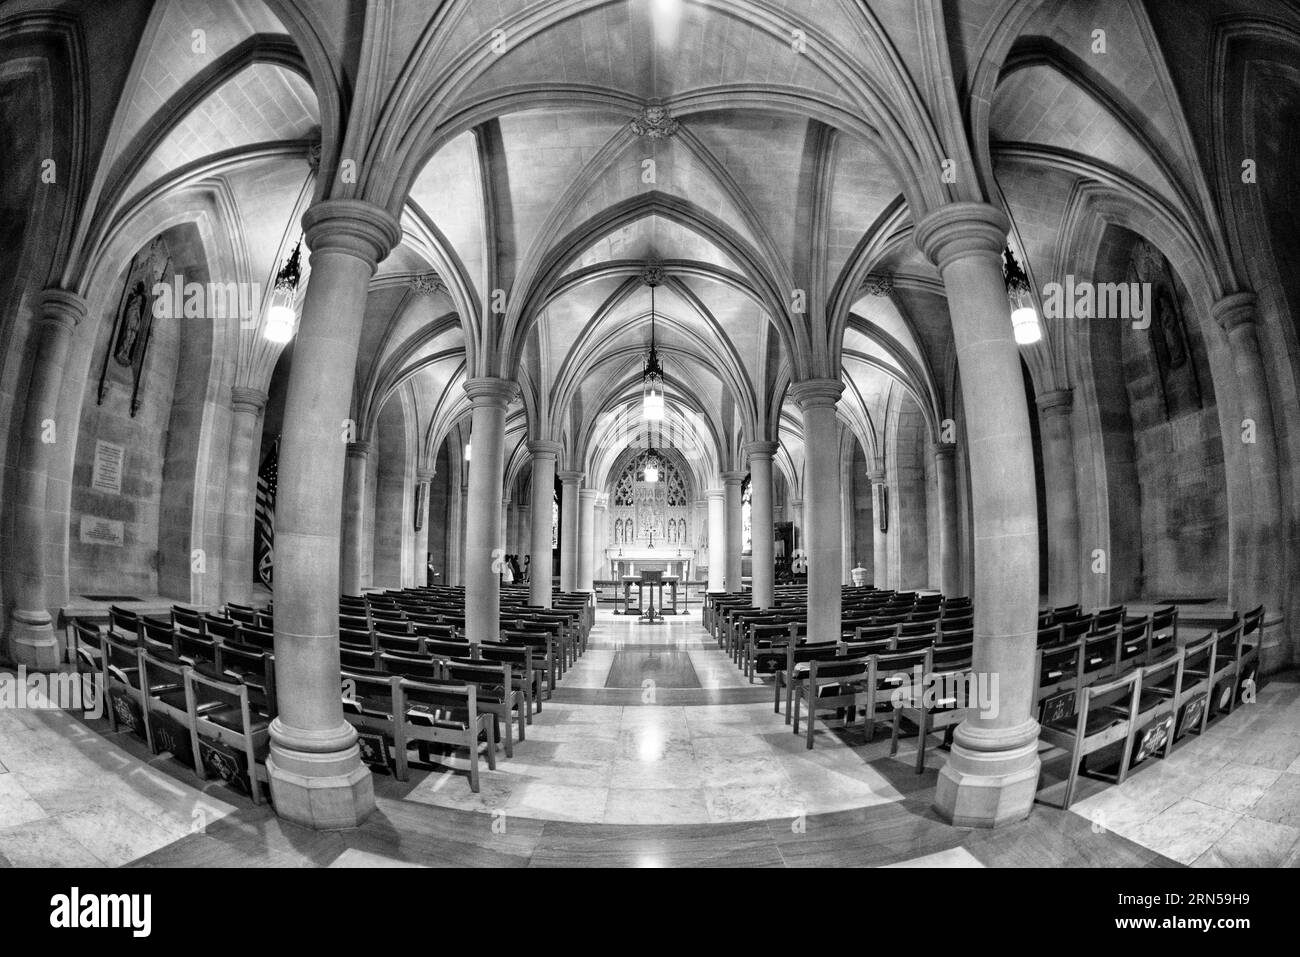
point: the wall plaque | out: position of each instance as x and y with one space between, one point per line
102 531
106 475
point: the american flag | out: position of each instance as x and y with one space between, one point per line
268 479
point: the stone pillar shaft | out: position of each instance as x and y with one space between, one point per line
241 494
821 495
32 640
485 515
735 536
992 774
353 551
569 530
762 535
717 539
423 489
317 777
543 491
1064 554
879 538
586 538
1256 532
945 470
846 526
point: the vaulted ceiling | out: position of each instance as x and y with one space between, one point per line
542 154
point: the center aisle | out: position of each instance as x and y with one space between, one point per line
655 725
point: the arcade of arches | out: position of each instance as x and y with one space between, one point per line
306 300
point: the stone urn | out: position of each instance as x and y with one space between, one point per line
859 576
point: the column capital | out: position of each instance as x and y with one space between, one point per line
602 500
796 503
715 493
490 392
569 477
957 230
425 475
1056 402
359 450
588 495
876 476
543 448
62 308
945 450
1234 311
760 449
351 227
816 393
245 399
733 478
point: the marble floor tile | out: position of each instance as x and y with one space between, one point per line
1252 843
45 843
16 805
659 806
1280 803
754 802
1185 830
558 802
1236 787
956 857
353 857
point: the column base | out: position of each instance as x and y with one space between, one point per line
327 791
991 777
32 641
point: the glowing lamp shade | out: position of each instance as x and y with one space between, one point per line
652 403
1024 325
652 471
279 323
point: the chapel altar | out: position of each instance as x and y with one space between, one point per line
651 523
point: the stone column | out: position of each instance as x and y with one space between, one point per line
456 546
317 778
735 537
717 539
1063 547
816 399
569 530
879 539
241 494
763 540
484 512
794 514
512 527
424 482
1256 536
992 774
586 538
32 641
600 567
357 464
846 522
543 488
524 545
945 470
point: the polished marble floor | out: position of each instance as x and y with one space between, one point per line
656 751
